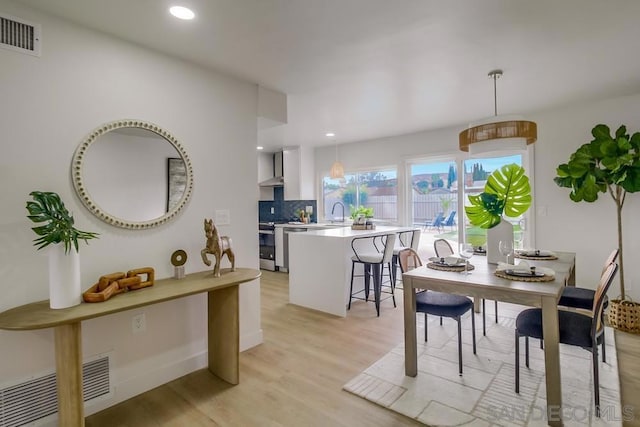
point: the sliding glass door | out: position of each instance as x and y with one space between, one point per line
433 197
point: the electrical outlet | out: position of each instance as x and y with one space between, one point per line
138 323
273 210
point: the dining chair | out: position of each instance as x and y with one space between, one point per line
374 253
577 329
439 303
578 297
406 239
443 249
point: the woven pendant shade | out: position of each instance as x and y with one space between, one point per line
337 170
499 129
509 129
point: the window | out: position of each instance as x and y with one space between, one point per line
377 189
434 197
475 177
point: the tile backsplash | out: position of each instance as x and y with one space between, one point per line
285 210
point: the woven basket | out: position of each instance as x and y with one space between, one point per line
624 315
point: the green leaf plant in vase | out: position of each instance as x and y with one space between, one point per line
507 193
56 229
607 164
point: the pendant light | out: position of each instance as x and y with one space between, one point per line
498 133
337 170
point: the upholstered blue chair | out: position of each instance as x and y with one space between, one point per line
439 303
443 249
576 329
374 253
577 297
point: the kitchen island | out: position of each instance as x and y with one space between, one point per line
320 267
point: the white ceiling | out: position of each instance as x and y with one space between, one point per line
372 68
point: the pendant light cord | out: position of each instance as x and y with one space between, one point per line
495 75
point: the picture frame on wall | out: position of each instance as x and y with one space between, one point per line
176 181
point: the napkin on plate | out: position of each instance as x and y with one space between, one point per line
449 260
536 252
524 267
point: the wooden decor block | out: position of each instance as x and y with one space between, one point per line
94 294
148 271
108 279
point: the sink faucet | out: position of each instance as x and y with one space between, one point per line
334 208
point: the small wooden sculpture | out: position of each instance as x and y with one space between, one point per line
217 246
115 283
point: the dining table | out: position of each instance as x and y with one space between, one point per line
484 283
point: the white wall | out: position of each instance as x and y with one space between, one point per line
82 80
587 229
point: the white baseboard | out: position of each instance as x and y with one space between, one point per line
251 340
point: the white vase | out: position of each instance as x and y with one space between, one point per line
502 231
64 277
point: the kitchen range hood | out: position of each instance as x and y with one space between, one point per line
278 178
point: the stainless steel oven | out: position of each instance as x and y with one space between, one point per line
267 241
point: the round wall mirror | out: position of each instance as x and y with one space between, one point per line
132 174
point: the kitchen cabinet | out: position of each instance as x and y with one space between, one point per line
299 174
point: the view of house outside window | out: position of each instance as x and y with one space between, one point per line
377 190
434 198
477 171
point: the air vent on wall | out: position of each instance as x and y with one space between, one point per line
19 35
35 400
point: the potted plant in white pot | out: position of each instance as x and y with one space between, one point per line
58 229
506 193
607 164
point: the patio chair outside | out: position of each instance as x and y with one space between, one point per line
437 223
451 220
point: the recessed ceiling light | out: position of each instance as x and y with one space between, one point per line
181 12
260 147
329 134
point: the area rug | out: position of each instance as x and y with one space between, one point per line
485 394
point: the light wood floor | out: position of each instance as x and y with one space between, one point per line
294 378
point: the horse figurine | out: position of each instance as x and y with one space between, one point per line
218 246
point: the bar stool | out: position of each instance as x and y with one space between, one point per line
374 253
406 240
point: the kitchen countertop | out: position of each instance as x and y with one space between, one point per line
347 232
314 225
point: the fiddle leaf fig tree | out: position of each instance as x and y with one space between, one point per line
507 192
608 164
47 207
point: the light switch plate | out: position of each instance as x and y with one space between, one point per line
223 217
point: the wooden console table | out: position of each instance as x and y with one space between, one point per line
223 328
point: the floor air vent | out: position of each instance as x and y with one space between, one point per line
19 35
36 398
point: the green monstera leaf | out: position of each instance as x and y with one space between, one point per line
507 192
58 225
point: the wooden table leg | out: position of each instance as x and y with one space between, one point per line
68 347
224 333
551 335
410 340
